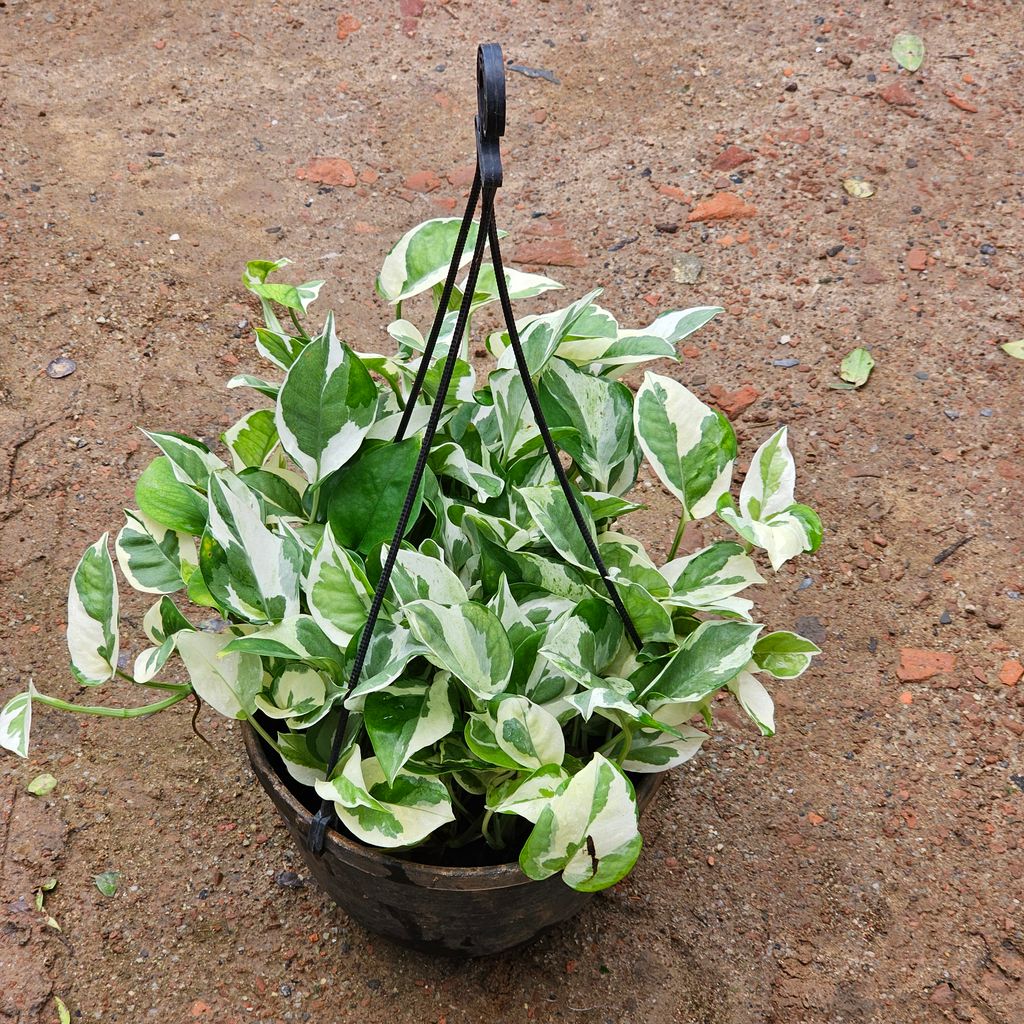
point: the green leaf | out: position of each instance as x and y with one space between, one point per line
785 655
1014 348
251 439
227 682
107 882
246 567
908 51
42 785
291 296
16 723
550 511
151 556
466 639
165 500
337 592
365 498
855 369
326 406
163 620
93 616
691 446
588 831
421 257
406 717
63 1014
709 657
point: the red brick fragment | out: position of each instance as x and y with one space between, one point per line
917 665
724 206
328 170
897 95
730 158
549 252
734 403
347 24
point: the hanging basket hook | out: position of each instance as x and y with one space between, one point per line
490 116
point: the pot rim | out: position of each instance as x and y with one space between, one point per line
379 862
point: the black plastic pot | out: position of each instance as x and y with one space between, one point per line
468 911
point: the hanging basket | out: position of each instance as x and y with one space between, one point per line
467 911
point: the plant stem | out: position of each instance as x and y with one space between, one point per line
264 735
154 684
105 712
298 326
683 520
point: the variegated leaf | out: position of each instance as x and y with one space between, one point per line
406 717
599 410
246 567
449 459
326 405
709 657
784 655
391 649
583 642
466 639
152 556
247 380
191 461
588 831
163 620
386 814
528 793
783 536
252 439
298 638
770 481
418 577
420 258
551 513
166 500
527 733
755 701
337 591
690 445
16 723
298 690
227 682
652 751
93 616
709 578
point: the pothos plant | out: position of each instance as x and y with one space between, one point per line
501 698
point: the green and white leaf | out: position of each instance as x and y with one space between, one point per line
551 513
151 556
229 683
419 577
653 751
706 660
782 537
252 439
191 461
755 701
407 717
784 655
298 690
163 498
710 578
588 831
420 258
93 616
770 482
298 638
247 567
527 794
326 406
16 723
466 639
386 814
337 591
527 733
690 446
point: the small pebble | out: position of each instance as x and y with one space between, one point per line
987 249
986 413
785 363
952 414
921 375
63 366
945 618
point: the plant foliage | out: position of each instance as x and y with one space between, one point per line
501 698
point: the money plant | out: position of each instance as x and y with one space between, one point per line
502 702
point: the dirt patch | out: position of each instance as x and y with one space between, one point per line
863 866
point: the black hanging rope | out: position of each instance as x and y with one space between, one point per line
490 126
